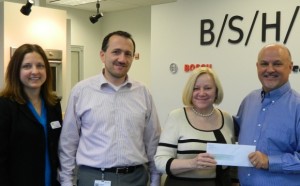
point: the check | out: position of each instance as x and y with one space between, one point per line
231 154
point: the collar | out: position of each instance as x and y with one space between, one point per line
104 83
277 92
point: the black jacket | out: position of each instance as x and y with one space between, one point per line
22 145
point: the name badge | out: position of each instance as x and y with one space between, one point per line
102 183
55 124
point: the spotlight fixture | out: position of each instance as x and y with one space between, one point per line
94 18
26 9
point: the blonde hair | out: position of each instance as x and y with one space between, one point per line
189 86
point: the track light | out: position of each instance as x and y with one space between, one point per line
26 9
94 18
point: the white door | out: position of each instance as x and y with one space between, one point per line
76 64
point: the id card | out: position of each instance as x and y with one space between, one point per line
55 124
102 183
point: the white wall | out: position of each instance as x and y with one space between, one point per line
135 21
170 33
44 26
175 38
80 31
84 33
138 23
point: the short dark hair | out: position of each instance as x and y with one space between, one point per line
13 88
118 33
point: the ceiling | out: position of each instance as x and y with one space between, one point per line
107 5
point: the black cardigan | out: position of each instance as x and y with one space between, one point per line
22 145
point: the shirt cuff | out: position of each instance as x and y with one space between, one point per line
275 163
155 179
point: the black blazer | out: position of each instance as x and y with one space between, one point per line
22 145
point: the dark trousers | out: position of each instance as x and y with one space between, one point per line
87 176
181 182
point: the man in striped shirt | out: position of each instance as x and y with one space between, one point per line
111 128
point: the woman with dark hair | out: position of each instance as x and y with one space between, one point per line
30 121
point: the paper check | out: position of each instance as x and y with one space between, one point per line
231 154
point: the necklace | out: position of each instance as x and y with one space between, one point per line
203 115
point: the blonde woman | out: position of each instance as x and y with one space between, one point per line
181 152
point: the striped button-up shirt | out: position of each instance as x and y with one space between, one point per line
106 126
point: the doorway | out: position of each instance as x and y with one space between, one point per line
76 64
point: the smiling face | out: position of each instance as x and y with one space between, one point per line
117 59
32 72
273 67
204 93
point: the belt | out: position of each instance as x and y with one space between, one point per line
122 170
116 170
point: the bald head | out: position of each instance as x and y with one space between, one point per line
282 50
274 65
